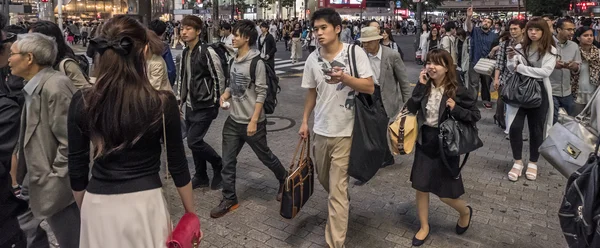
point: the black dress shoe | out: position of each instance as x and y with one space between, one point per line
418 242
460 230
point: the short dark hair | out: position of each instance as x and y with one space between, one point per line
521 23
449 26
549 16
561 22
159 27
192 21
264 25
329 15
247 29
226 26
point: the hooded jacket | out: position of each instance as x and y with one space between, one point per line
244 93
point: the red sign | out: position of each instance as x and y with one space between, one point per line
402 12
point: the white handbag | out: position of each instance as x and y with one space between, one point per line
485 66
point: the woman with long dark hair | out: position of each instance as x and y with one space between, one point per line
431 43
437 96
66 61
388 41
586 82
535 57
122 204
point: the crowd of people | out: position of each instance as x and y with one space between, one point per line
62 122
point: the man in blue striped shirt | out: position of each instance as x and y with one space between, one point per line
482 39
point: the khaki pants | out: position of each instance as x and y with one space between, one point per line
331 161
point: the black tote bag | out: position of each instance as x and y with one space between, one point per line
522 91
369 136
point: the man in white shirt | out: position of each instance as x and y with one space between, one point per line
331 91
449 41
226 36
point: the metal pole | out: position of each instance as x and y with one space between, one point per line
60 20
518 8
418 24
232 10
5 9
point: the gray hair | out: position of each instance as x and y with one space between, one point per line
43 47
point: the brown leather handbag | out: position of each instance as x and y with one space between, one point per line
299 185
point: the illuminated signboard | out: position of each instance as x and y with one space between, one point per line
346 3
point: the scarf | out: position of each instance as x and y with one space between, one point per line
593 59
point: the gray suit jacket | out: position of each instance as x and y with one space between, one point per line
43 144
395 87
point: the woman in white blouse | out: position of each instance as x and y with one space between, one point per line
588 78
539 64
437 96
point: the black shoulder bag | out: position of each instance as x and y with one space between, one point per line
522 91
457 138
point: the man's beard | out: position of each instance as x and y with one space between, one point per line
484 27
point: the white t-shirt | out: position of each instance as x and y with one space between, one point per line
334 110
228 40
273 29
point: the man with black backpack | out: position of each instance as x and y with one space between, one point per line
250 87
202 81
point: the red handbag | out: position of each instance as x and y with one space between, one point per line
187 233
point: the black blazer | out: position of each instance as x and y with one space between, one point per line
271 46
465 110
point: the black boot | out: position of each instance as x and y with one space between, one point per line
198 182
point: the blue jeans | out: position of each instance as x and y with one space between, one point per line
566 102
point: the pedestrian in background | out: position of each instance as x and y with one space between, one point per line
585 83
156 68
122 202
296 43
437 96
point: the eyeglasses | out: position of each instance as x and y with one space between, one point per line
20 53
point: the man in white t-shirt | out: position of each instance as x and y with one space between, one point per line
331 91
226 35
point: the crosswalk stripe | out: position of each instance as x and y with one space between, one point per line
288 65
279 72
298 67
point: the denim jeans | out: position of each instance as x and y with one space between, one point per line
566 102
234 138
198 122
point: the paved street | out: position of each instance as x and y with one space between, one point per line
383 211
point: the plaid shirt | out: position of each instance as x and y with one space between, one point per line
501 61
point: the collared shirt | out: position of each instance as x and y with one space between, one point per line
31 85
481 44
434 101
560 79
376 65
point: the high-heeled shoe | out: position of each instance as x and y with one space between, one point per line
460 230
419 242
497 121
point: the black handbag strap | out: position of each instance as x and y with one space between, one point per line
445 160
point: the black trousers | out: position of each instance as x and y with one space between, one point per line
536 120
198 123
234 138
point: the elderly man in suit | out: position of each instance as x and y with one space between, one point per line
389 75
43 135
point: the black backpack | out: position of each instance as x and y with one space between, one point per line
579 213
272 83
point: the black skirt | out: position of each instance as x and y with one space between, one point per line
429 174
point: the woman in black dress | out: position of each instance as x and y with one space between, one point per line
437 95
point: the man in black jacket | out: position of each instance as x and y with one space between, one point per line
267 45
10 113
199 98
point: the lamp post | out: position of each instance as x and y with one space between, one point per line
361 9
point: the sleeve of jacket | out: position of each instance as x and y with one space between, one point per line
79 146
73 71
270 43
414 103
401 77
214 57
171 69
465 108
59 98
446 43
261 82
9 130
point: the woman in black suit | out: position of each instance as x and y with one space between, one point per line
438 94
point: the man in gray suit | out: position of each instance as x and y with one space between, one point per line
389 74
43 136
